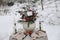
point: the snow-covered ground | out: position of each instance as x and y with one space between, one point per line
50 16
6 25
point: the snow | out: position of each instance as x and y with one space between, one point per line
6 25
49 15
53 32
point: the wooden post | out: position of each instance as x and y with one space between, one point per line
40 26
42 4
15 30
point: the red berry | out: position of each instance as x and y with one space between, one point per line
27 19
